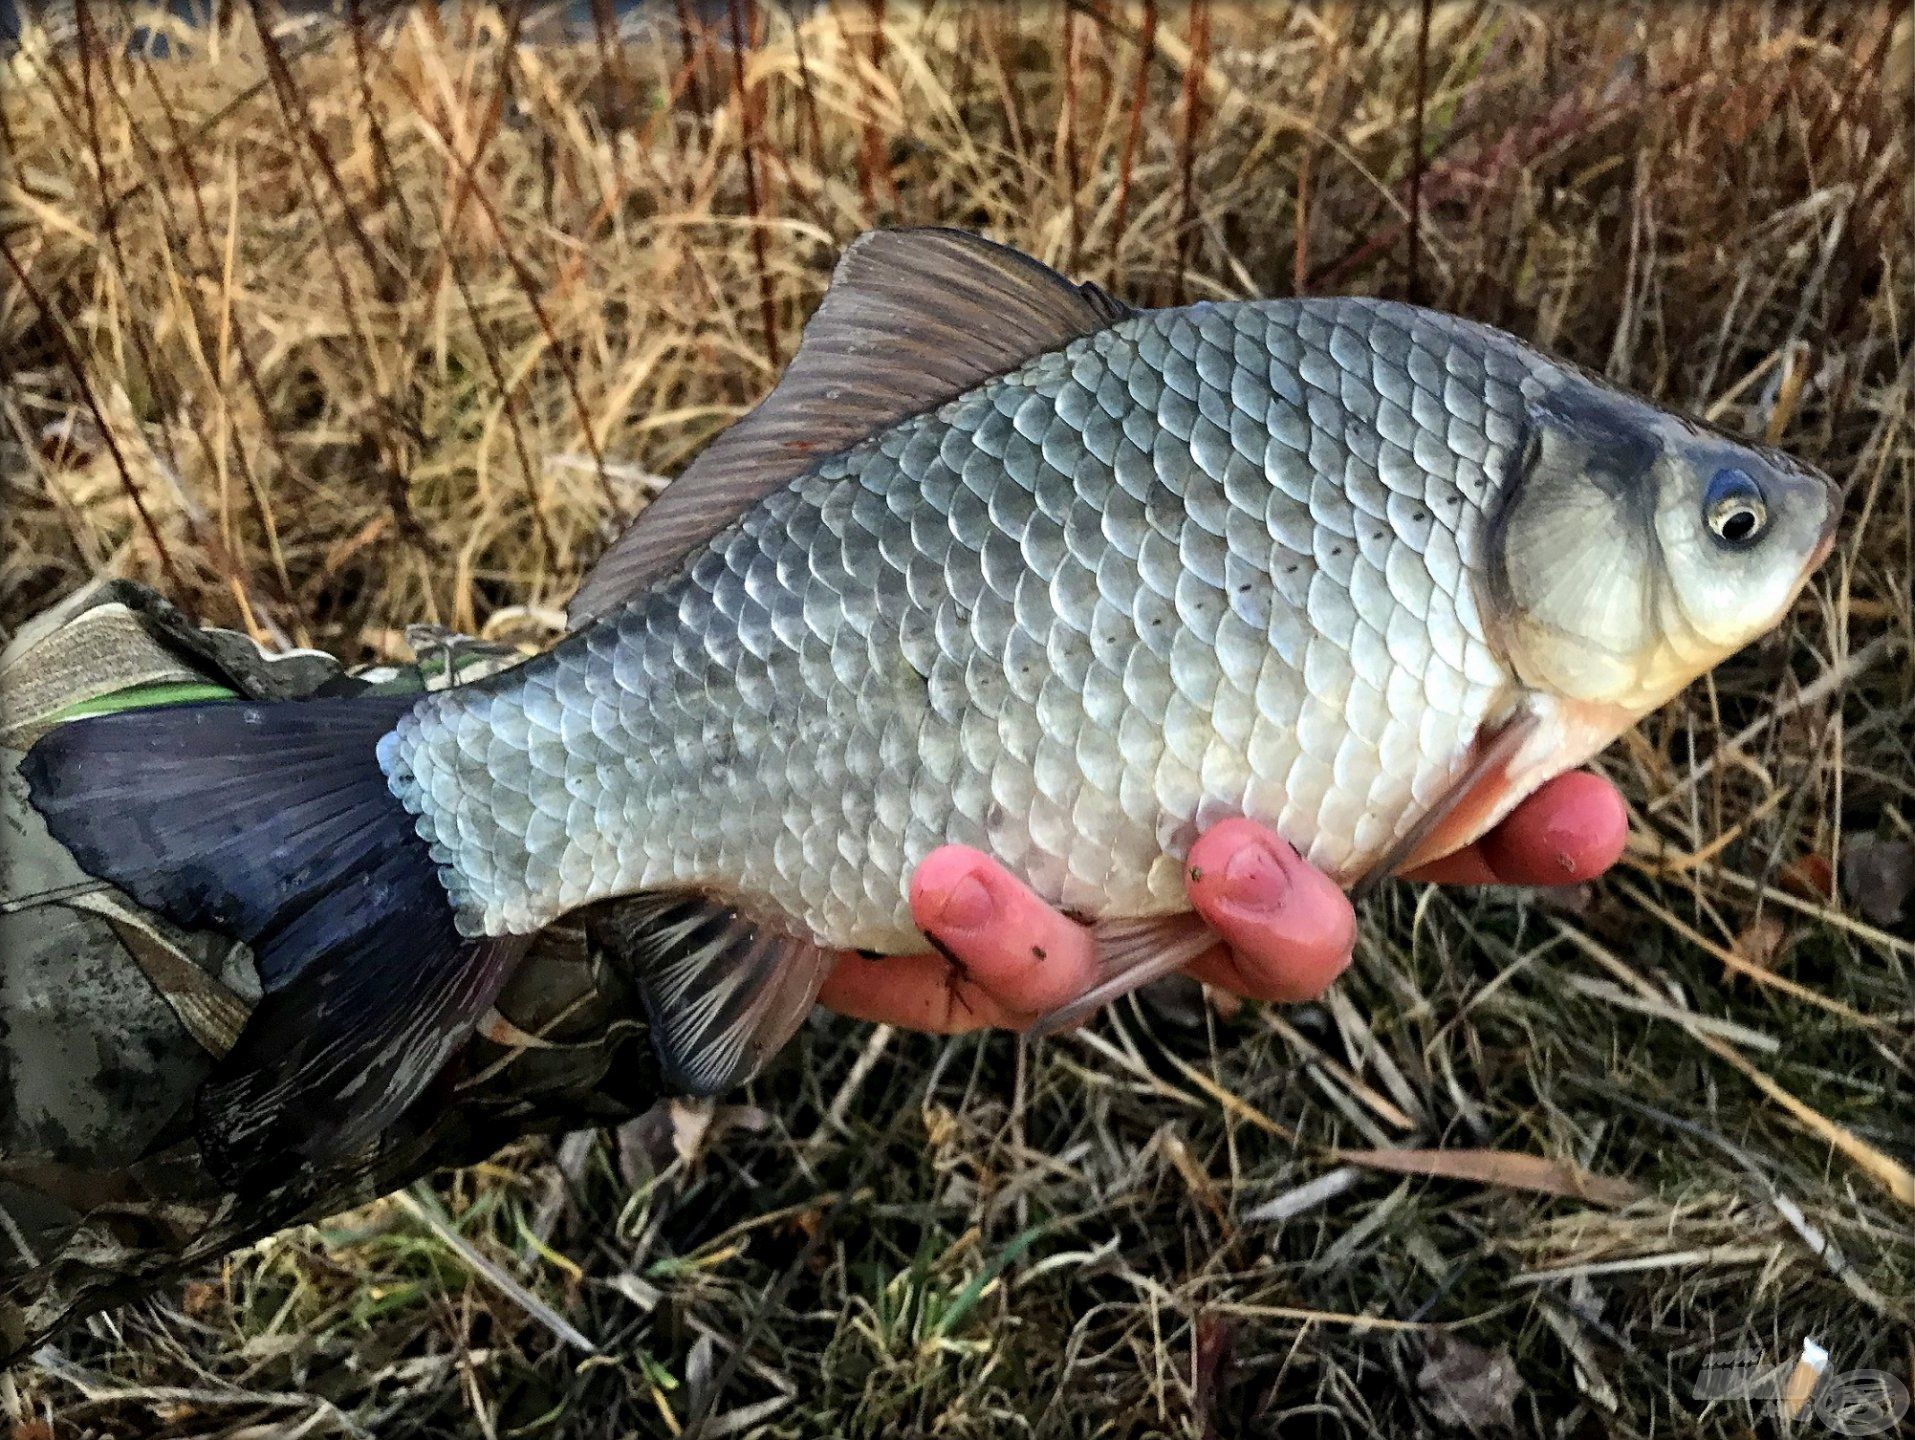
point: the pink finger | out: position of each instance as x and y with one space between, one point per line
1288 928
1467 866
918 992
1009 943
1569 831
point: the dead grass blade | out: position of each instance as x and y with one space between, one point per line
1506 1169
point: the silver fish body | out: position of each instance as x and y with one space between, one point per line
1000 561
1211 561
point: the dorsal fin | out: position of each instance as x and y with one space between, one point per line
911 319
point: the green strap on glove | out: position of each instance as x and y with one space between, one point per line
145 697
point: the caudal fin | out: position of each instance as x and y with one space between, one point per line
274 824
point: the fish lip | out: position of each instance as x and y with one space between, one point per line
1831 524
1824 547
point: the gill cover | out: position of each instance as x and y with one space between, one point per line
1571 570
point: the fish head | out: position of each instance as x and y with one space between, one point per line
1634 549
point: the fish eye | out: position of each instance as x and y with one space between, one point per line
1734 509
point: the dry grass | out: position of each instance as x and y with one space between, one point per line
335 328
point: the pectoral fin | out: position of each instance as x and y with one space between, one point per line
1462 812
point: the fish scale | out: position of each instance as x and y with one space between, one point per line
1206 562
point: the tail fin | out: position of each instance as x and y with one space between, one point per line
274 823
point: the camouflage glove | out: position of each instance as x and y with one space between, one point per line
110 1016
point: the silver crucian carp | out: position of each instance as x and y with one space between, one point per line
1000 561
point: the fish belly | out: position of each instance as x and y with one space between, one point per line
1210 562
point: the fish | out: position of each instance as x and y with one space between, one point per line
1002 561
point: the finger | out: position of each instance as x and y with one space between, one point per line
1008 956
1569 831
1005 940
918 992
1460 867
1287 929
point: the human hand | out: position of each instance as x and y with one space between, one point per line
1284 928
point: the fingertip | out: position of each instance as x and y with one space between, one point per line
1009 942
937 876
1226 840
1569 831
1041 961
1288 927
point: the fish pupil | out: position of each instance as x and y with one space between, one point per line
1735 509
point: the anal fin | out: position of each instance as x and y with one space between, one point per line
1130 954
724 991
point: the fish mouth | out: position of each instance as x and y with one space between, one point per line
1831 523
